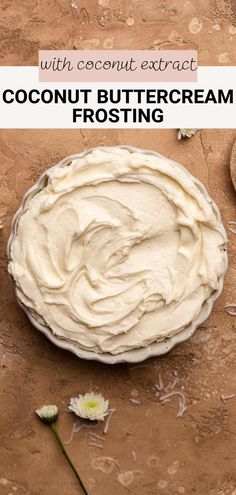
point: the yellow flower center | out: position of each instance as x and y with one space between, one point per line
91 404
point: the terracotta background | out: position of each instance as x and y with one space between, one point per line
194 454
29 25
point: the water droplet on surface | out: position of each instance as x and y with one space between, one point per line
195 25
172 470
232 29
125 478
153 461
90 44
3 481
134 392
162 484
216 27
108 43
223 58
130 21
104 464
103 3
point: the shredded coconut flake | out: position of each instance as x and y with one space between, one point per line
165 401
232 311
135 401
224 398
182 409
79 425
160 385
232 229
174 383
95 435
93 444
107 421
95 425
134 455
182 401
171 394
141 366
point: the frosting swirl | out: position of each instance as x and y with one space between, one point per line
119 249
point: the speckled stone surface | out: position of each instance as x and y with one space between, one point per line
147 451
206 25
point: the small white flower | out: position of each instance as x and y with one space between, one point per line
89 406
186 133
48 414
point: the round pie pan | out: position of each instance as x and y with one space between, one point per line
134 355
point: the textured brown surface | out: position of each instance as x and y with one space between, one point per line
194 454
206 25
233 164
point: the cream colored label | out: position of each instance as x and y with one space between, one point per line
120 249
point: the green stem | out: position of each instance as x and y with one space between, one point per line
54 429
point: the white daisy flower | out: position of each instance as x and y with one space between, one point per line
186 133
48 414
89 406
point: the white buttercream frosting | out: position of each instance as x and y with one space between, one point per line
119 249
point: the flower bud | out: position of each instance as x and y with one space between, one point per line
48 413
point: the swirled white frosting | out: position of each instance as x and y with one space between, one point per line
119 249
